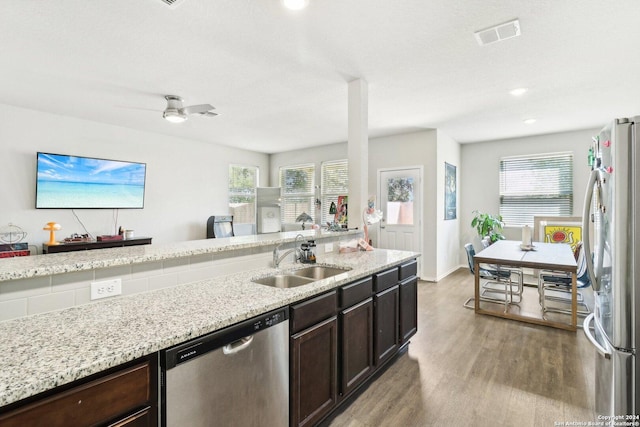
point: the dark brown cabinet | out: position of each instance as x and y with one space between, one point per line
356 355
122 397
313 359
407 273
408 309
314 372
386 309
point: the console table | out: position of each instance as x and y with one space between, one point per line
83 246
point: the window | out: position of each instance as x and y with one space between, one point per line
535 185
297 183
335 182
243 181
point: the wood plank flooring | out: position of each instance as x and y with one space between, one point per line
464 369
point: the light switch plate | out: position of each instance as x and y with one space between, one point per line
106 288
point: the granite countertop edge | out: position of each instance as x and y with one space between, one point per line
44 351
67 262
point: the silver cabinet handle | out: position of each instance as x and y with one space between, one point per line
237 346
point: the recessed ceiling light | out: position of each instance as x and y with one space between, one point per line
519 91
295 4
529 121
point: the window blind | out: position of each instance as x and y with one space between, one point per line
243 181
535 185
335 182
297 183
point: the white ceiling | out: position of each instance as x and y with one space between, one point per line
279 78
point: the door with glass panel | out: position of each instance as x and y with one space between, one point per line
399 193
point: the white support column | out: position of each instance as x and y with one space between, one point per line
358 150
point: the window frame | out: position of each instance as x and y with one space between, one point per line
326 196
231 193
287 198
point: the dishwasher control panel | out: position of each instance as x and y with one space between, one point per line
206 343
268 321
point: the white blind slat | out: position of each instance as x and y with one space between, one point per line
536 185
335 182
297 183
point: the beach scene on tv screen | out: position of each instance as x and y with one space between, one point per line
81 182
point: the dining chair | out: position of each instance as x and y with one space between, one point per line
556 286
496 283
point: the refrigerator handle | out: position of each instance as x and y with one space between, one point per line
585 230
587 331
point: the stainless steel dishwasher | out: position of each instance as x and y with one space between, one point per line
238 376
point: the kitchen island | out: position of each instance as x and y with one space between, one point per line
44 351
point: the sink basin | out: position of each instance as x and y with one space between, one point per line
319 272
300 277
283 281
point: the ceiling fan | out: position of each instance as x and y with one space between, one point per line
176 113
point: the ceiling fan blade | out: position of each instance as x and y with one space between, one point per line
209 114
198 109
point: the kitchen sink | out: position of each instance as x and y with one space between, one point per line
300 277
319 272
283 281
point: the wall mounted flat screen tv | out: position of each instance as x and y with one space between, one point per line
75 182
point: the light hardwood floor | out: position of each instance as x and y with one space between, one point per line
464 369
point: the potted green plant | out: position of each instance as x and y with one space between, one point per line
488 225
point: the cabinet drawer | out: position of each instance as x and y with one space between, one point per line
385 280
313 311
88 404
408 269
355 292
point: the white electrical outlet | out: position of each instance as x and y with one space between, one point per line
106 288
328 247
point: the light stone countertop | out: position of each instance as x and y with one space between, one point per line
44 351
66 262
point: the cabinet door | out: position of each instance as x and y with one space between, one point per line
386 317
92 403
408 308
142 418
356 344
314 373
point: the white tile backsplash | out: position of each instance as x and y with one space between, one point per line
13 309
163 281
25 288
50 302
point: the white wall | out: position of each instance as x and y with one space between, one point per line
187 181
448 232
411 150
480 163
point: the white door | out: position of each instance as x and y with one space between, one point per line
399 193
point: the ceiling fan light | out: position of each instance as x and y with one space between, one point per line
174 116
519 91
295 4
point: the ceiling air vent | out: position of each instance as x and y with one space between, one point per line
498 33
171 2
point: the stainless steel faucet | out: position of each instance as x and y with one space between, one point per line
277 258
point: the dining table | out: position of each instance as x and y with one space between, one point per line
557 257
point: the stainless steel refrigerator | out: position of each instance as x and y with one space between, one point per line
612 210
